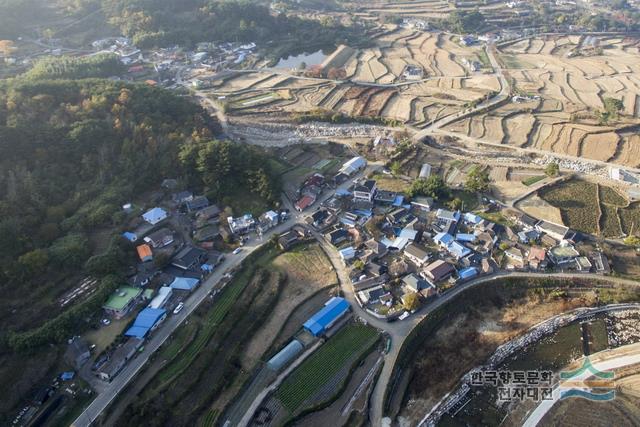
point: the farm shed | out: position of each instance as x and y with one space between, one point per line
184 283
333 310
285 355
164 293
147 320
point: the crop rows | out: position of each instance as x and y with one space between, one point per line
321 366
214 317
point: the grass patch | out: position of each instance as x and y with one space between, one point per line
533 179
326 362
496 217
609 222
578 204
391 183
611 197
484 59
511 61
469 199
630 218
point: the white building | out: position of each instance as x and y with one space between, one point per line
155 215
354 165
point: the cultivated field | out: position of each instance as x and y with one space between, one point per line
445 86
593 208
321 366
307 270
569 79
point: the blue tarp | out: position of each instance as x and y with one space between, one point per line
130 236
398 201
335 308
66 376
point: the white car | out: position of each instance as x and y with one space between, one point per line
106 322
178 308
237 251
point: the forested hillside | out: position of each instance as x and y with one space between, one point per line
71 152
167 22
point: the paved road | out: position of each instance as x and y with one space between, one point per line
111 390
490 103
401 329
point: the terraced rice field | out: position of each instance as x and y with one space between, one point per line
311 376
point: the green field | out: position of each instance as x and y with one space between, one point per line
578 203
533 179
352 341
210 322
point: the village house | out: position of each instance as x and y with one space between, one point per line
583 264
182 197
563 254
197 203
160 238
537 258
413 283
121 301
118 359
384 197
337 236
516 257
557 232
422 203
600 262
378 249
354 165
155 216
365 191
210 213
416 254
189 258
242 224
77 353
438 271
144 253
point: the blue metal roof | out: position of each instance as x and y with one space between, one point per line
468 273
332 310
464 237
184 283
443 238
472 218
146 319
137 331
458 250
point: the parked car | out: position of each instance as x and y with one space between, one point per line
237 251
178 308
106 322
